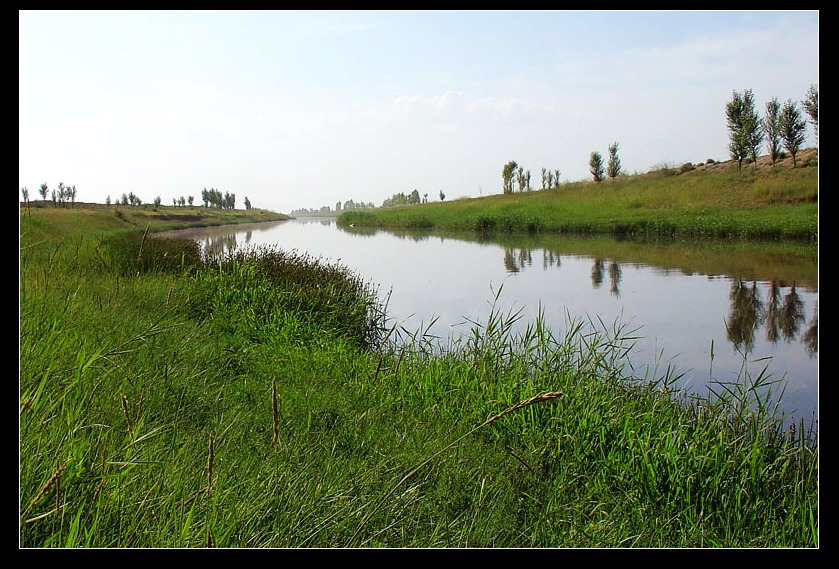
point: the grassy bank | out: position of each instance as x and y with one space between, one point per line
698 202
266 402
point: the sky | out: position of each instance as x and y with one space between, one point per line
305 109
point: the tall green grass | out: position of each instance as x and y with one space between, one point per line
264 400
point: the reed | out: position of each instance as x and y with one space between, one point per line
265 401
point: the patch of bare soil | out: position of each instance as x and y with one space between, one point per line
807 156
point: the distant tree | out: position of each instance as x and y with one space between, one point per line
25 191
527 180
415 197
544 178
595 164
507 175
556 178
772 129
191 199
72 193
108 200
60 193
43 191
613 169
425 197
738 141
811 107
157 201
792 128
752 126
247 202
442 196
520 178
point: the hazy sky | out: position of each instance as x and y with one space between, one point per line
303 109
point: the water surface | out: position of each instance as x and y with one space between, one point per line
704 310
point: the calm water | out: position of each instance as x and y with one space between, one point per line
746 308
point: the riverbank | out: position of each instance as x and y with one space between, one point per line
694 201
260 403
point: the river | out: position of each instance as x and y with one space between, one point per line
702 310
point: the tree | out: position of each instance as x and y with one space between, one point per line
734 111
772 129
544 178
752 125
442 195
507 175
43 190
247 202
613 169
792 128
595 164
520 178
556 178
811 107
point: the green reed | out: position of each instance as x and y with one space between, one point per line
264 400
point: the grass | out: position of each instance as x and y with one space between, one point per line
263 400
767 203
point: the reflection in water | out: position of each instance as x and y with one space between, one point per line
811 335
597 273
516 260
615 274
782 316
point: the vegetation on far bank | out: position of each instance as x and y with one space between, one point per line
766 202
266 401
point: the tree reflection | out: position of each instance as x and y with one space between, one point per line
772 320
218 245
516 259
615 274
811 334
551 259
597 273
510 261
782 315
744 315
793 314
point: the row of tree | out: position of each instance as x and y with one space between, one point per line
513 174
781 126
60 195
211 197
